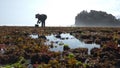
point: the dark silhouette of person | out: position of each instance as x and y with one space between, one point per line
41 19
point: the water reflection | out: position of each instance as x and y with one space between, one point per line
34 36
68 40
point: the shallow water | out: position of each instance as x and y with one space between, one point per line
34 36
71 41
67 39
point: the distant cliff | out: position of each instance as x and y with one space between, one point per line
96 18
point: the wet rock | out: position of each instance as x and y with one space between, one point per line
26 34
88 41
105 39
58 36
45 58
106 31
56 42
59 32
118 41
118 32
51 46
66 47
94 52
79 51
71 33
117 63
78 31
67 38
97 41
62 38
81 58
42 37
85 36
40 58
55 46
61 43
2 46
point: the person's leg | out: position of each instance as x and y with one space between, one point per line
44 24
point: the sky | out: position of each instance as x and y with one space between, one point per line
59 12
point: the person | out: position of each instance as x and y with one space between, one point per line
41 19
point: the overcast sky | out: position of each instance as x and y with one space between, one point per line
59 12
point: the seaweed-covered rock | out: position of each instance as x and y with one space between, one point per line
66 47
95 52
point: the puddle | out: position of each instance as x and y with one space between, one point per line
66 39
34 36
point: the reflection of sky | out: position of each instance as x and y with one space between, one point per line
71 41
59 12
35 36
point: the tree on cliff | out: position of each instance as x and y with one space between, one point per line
96 18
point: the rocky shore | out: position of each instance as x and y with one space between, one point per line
19 50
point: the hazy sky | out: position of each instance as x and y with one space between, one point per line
59 12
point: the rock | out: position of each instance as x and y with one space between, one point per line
58 36
56 42
61 43
71 33
105 39
88 41
97 41
118 32
62 38
51 46
95 52
71 55
117 63
66 47
42 36
85 37
59 32
67 38
118 41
